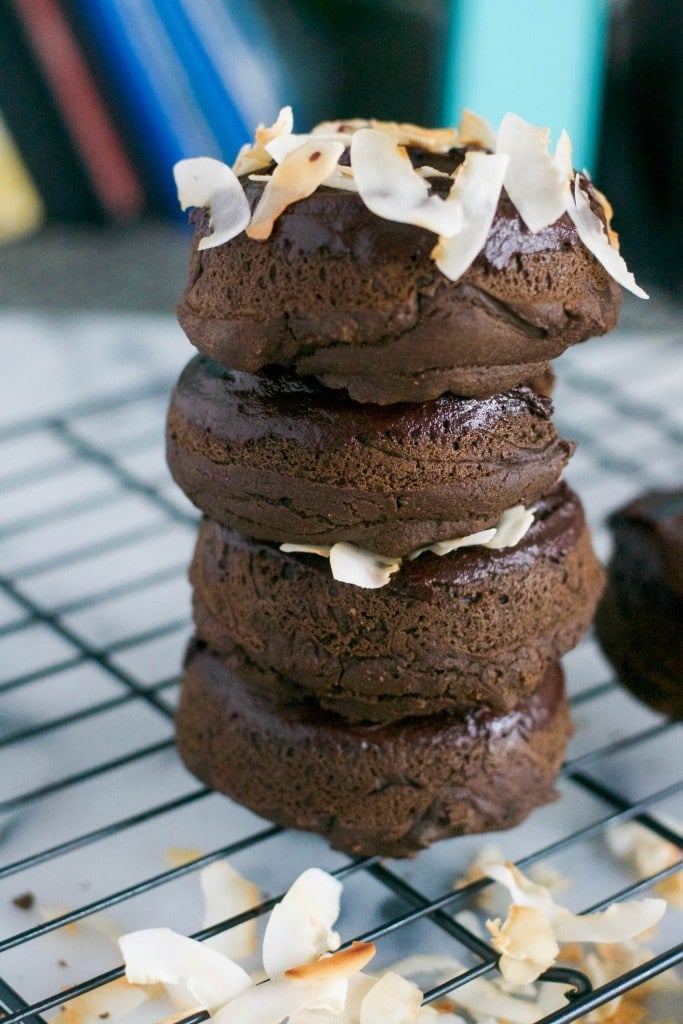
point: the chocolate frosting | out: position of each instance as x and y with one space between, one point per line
388 791
473 627
356 300
279 458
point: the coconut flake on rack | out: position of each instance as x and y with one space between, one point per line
390 187
226 894
203 181
161 955
297 177
300 925
477 185
537 182
619 923
254 157
592 233
526 943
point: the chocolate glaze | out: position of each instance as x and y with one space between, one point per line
473 627
356 300
639 620
279 457
387 791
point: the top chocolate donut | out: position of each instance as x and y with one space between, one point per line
398 262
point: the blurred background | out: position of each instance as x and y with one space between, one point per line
98 99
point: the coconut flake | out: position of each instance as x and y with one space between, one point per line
445 547
253 157
226 893
477 186
308 549
393 1000
300 926
649 854
334 966
341 177
273 1001
526 943
619 923
203 181
161 955
391 189
351 564
511 527
297 177
358 987
592 233
474 130
434 140
535 180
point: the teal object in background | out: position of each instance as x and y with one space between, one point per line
542 59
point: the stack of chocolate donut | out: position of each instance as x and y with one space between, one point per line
389 567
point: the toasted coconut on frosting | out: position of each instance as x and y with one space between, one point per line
202 181
536 182
298 176
254 157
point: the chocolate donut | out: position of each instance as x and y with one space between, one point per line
474 627
640 619
278 457
389 791
355 300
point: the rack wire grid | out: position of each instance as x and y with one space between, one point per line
94 618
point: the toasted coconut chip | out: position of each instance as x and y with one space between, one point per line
179 856
592 233
274 1001
108 1001
609 213
430 172
474 130
226 894
345 128
445 547
351 564
284 145
649 854
535 181
479 997
390 188
563 156
358 987
434 140
393 1000
252 158
298 176
207 182
477 186
334 966
299 929
620 922
511 527
341 177
161 955
526 944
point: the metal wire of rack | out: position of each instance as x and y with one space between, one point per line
94 616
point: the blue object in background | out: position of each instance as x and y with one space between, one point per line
193 77
542 59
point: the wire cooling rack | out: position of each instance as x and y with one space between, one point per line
94 616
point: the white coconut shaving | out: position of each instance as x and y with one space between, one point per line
226 894
300 929
536 181
474 130
390 187
352 564
477 185
203 181
592 233
161 955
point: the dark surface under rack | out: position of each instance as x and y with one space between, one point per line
94 616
